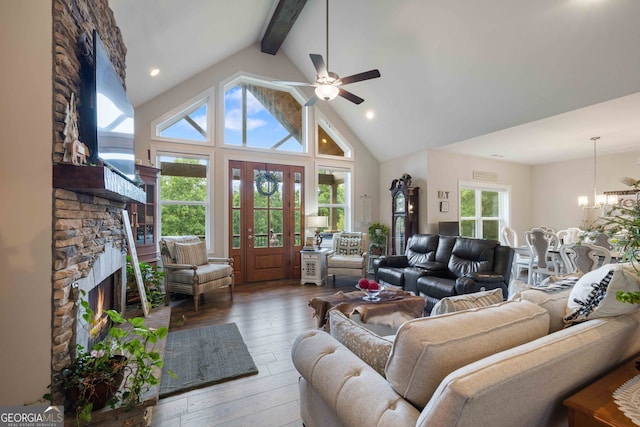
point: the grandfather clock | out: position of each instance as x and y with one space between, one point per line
404 223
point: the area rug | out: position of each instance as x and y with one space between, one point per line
204 356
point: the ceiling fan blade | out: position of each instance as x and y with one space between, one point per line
371 74
318 63
351 97
280 82
311 101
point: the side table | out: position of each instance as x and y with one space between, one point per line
313 266
593 406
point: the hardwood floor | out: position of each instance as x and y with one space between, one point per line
269 315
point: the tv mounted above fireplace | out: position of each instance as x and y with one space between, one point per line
106 115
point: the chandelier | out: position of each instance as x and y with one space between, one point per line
599 200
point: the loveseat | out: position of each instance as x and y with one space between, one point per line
441 266
507 364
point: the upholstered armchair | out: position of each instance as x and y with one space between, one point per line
350 255
190 271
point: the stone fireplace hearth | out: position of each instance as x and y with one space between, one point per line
89 247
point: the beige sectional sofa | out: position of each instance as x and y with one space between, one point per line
508 364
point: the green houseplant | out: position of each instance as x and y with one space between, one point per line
622 225
378 238
152 279
127 357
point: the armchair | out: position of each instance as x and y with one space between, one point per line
349 256
190 271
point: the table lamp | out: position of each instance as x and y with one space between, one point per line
318 222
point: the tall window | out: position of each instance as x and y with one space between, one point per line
483 211
184 200
256 116
333 197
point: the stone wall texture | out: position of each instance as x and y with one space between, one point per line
82 224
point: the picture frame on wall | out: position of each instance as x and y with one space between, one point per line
444 206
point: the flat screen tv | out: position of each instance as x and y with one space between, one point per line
106 115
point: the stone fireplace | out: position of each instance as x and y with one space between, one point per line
89 248
88 239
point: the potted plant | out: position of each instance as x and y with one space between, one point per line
116 371
152 279
622 225
378 238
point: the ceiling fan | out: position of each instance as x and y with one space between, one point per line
328 84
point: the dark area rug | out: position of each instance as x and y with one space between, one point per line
204 356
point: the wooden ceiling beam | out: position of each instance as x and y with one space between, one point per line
281 22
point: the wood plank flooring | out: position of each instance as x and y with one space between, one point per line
269 315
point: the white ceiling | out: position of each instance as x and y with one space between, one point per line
532 81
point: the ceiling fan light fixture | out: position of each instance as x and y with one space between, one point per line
327 92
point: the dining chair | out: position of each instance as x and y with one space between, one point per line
583 257
520 261
542 261
599 239
570 235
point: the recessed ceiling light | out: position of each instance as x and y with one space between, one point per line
154 72
370 114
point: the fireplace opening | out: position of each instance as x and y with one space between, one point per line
101 298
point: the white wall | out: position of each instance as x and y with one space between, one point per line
416 166
435 171
558 185
446 170
252 61
25 186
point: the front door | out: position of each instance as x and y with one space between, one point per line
266 220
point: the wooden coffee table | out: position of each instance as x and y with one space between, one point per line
391 301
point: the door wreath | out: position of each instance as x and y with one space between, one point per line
267 183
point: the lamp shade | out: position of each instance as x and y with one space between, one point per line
317 221
327 92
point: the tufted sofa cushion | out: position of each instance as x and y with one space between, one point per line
426 350
471 255
422 248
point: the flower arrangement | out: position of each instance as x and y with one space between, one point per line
126 356
377 238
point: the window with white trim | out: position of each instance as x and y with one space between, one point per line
184 195
262 116
190 124
334 187
328 141
483 210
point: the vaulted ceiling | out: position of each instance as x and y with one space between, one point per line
529 81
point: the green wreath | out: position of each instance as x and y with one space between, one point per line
267 183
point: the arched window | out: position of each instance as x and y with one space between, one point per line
260 116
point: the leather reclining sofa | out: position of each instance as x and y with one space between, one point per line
441 266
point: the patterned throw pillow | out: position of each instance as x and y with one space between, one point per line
373 349
467 301
594 295
348 245
191 253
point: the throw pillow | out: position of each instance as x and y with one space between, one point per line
191 253
594 295
467 301
371 348
348 246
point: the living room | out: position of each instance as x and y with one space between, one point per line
541 194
